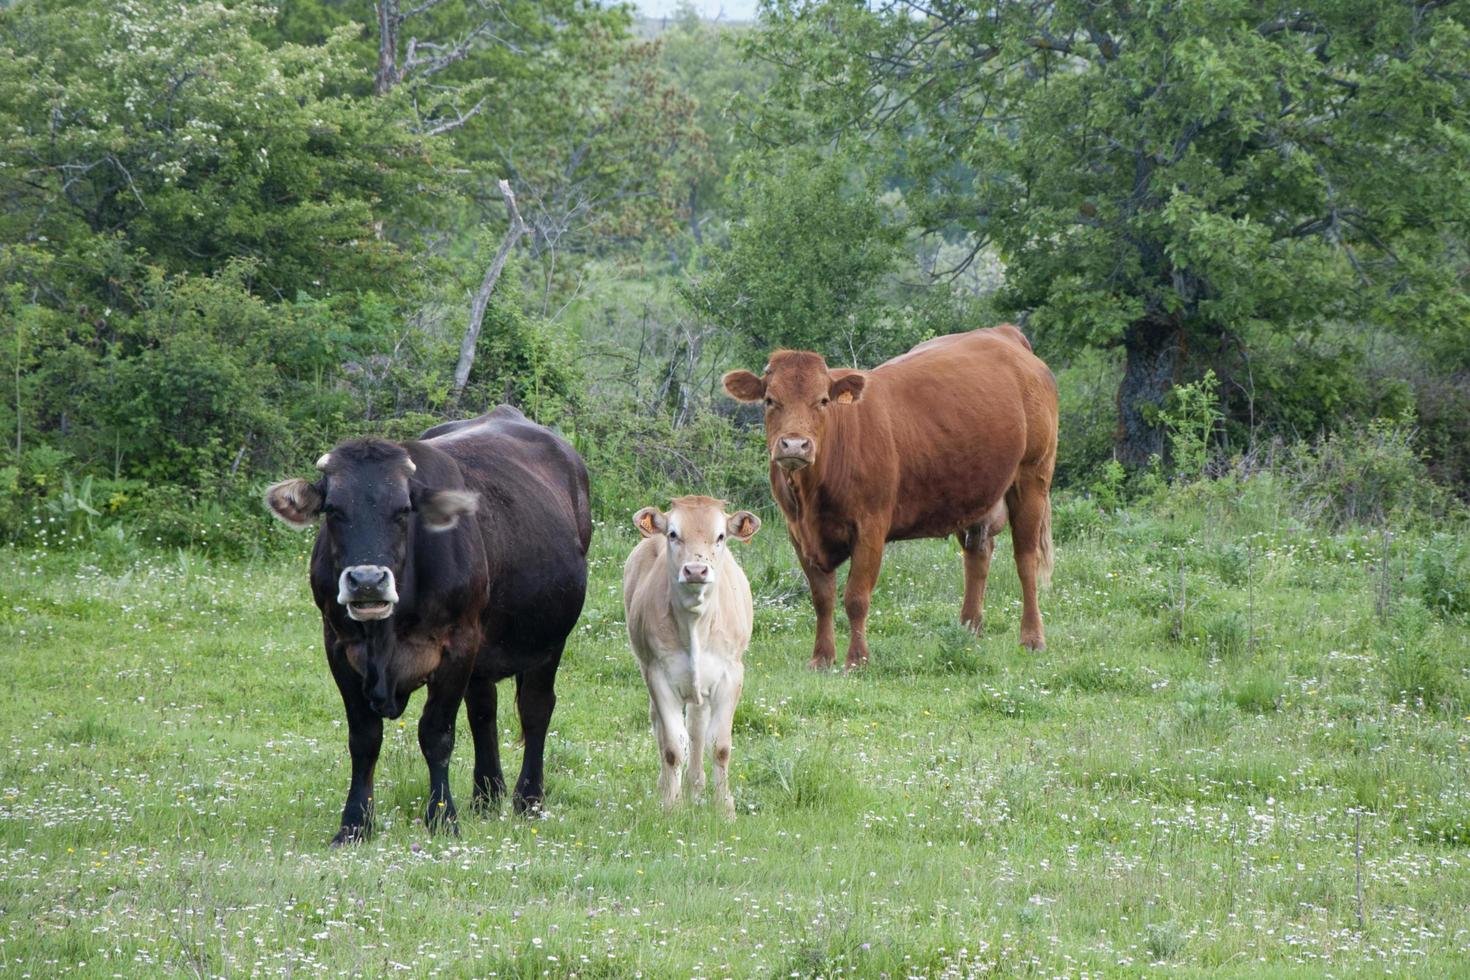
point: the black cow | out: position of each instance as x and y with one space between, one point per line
455 560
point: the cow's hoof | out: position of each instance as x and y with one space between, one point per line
820 663
1035 644
350 835
975 624
441 817
526 806
856 662
484 805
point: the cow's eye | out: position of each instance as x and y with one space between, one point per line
825 400
770 402
673 535
720 539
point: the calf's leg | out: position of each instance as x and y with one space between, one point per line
696 722
364 741
666 710
721 723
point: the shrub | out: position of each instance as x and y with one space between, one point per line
637 459
1364 474
1191 418
1443 574
1088 415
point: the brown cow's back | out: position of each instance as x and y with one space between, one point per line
944 429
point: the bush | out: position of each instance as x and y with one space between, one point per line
636 459
1443 574
1191 417
1365 474
1088 416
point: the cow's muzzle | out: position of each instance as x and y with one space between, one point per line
368 591
794 452
695 573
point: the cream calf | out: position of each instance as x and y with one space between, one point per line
689 619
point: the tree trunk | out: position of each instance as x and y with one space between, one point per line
387 74
1155 353
482 296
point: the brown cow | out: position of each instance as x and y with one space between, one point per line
954 437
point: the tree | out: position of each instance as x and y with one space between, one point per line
167 130
705 60
806 260
1170 178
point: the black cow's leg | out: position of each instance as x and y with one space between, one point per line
364 740
535 699
436 740
480 706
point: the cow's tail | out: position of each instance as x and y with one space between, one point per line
1043 545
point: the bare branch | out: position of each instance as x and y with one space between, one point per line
482 296
449 125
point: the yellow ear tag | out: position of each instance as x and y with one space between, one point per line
845 398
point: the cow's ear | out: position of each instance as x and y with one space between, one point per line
847 389
650 521
442 509
295 502
742 525
744 386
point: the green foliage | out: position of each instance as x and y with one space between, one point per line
1258 693
1365 474
1165 178
704 58
168 130
638 459
1191 419
805 263
1087 416
1109 487
1443 574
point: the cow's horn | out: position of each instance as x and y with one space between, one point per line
321 464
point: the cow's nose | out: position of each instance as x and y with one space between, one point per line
368 578
695 572
795 446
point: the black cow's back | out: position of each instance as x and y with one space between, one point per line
536 524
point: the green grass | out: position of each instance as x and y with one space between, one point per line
1170 788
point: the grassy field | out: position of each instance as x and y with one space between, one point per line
1236 721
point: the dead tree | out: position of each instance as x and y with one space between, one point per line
482 295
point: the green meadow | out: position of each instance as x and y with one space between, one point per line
1244 752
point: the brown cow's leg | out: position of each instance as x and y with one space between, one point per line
824 601
979 544
1030 507
862 575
